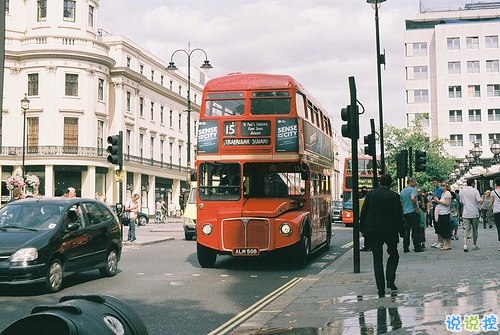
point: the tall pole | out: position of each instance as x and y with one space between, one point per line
380 62
25 105
171 67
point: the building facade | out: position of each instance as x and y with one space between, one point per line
84 85
453 76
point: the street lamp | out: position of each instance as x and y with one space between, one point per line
25 105
205 67
495 150
476 153
380 61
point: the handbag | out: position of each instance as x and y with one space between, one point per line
125 218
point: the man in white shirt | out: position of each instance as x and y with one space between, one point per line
471 200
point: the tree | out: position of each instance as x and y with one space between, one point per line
439 163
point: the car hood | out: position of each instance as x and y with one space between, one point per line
12 240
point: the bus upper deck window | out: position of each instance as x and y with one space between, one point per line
270 103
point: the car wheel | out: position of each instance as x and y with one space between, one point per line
111 265
142 220
54 278
206 256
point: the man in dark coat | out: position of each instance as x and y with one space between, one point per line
381 221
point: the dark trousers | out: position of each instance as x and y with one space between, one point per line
412 226
378 262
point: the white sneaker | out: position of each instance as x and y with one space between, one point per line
476 247
439 246
466 248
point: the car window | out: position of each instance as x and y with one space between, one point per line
94 213
39 216
106 211
75 215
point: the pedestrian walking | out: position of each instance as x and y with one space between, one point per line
438 191
411 215
471 200
132 207
495 205
444 218
381 221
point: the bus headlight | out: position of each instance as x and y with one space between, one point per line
286 229
207 229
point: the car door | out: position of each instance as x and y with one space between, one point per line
76 239
97 229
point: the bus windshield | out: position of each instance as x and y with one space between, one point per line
222 181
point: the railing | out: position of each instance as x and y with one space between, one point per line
65 151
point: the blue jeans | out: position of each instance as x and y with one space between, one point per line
411 224
131 230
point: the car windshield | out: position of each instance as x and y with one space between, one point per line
30 217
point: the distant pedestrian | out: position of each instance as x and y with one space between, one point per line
424 206
381 221
17 194
411 215
443 224
495 205
438 191
485 209
455 215
471 199
69 193
132 207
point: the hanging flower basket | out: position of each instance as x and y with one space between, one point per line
32 182
14 181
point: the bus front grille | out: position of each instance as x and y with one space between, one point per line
245 233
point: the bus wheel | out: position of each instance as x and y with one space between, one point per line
206 256
303 248
328 236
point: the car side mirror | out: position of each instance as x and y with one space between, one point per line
72 226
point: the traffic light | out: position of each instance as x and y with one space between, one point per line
370 144
350 115
420 160
115 149
402 164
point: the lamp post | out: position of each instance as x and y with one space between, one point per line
476 152
205 67
25 105
380 61
495 150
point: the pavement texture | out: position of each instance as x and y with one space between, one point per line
440 292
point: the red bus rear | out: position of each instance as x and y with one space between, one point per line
365 183
264 162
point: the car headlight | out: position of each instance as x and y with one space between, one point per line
207 229
286 229
24 255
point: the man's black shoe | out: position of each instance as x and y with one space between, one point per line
365 248
392 286
381 293
418 250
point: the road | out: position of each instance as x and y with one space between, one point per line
170 291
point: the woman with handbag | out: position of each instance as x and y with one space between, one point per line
132 207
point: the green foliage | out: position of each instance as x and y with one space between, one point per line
439 163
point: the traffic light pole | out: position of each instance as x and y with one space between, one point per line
355 171
374 156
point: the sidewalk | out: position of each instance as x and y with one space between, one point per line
155 232
433 285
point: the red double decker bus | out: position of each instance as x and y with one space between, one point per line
365 183
264 162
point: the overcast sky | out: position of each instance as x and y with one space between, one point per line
318 42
